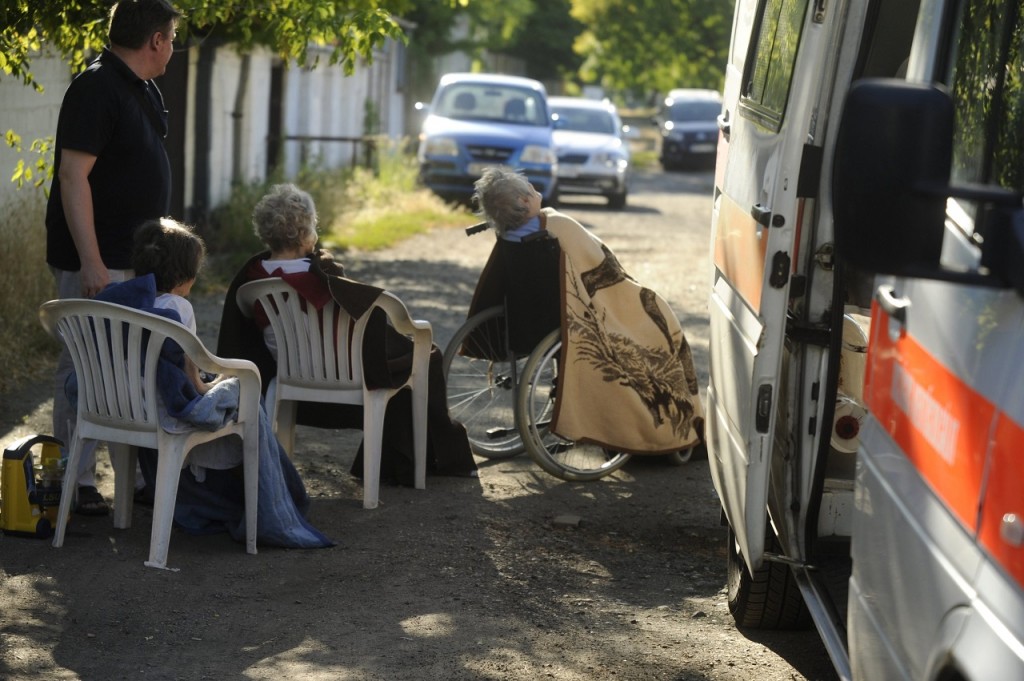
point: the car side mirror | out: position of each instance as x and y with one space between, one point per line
890 181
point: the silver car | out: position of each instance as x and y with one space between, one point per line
593 156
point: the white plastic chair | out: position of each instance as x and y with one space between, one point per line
115 351
316 367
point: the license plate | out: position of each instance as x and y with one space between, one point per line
477 168
705 148
568 170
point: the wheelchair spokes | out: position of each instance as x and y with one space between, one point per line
481 381
568 460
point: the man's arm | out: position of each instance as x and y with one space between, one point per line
76 198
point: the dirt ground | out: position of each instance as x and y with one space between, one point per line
515 575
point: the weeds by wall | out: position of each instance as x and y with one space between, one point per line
26 350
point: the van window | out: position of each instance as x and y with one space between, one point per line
768 75
988 95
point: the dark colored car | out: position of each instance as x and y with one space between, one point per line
689 128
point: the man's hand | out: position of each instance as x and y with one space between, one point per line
93 279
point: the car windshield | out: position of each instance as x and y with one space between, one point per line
583 120
684 111
492 102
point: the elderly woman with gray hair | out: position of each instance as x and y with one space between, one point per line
627 380
286 220
508 202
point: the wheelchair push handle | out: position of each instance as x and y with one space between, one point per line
477 228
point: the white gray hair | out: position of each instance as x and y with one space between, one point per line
497 195
285 217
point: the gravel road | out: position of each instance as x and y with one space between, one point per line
515 575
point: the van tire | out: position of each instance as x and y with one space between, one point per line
768 599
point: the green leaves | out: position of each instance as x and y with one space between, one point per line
350 29
27 171
653 45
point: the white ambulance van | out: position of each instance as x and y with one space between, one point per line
866 394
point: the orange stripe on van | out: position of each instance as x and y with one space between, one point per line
939 422
740 250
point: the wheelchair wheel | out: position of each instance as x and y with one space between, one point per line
565 459
482 386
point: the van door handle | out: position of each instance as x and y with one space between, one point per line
724 125
761 214
894 306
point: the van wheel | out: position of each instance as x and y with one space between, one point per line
768 599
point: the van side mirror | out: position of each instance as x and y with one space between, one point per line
890 183
893 157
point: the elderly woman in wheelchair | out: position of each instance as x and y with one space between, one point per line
563 353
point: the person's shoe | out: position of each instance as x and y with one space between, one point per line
91 502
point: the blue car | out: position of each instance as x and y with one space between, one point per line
478 120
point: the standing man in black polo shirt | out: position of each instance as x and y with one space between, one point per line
112 174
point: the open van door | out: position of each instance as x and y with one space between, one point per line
773 95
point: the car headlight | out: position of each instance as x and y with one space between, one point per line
671 133
533 153
440 146
612 159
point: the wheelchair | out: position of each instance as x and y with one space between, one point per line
501 365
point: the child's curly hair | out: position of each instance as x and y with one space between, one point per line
169 250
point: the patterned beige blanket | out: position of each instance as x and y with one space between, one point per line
627 380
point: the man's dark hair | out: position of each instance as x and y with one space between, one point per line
168 250
132 22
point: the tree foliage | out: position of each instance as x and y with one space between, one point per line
77 28
545 42
647 46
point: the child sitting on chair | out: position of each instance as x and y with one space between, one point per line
173 254
167 257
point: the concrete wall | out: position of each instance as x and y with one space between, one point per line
323 102
252 119
320 102
30 114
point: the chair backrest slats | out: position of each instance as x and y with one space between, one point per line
116 365
325 352
315 348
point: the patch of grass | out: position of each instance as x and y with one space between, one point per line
360 208
384 206
382 222
646 159
26 350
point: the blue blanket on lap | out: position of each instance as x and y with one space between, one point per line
212 500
